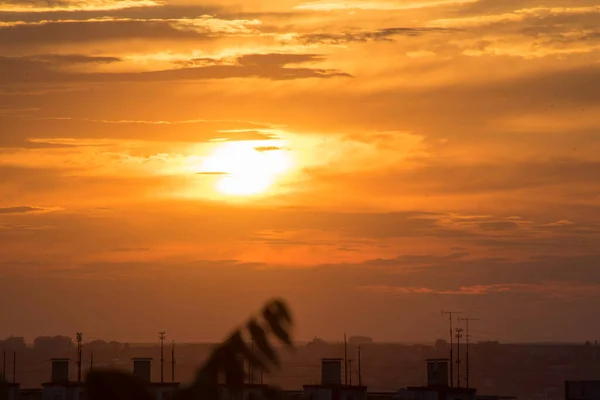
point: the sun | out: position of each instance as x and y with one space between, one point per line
247 167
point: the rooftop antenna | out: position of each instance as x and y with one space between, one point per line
4 366
92 360
350 366
173 362
250 369
345 361
161 336
15 366
459 335
79 347
359 374
449 314
467 337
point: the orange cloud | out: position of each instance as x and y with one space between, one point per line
76 5
554 290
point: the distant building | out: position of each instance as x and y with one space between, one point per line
360 340
31 394
316 342
493 397
582 390
59 387
382 395
142 369
9 391
13 343
245 391
438 387
53 344
331 387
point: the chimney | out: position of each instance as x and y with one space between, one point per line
331 371
142 369
60 370
437 372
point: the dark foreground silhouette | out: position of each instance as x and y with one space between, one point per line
226 361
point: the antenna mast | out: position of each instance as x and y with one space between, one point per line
79 348
4 366
467 337
15 366
345 361
350 366
250 368
449 314
359 374
92 360
173 362
161 336
459 335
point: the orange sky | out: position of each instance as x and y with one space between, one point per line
171 165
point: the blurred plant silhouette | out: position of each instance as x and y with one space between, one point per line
3 387
224 361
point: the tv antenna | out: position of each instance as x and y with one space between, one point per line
459 335
161 336
79 356
467 339
450 314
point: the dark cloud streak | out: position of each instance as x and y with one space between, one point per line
365 36
268 66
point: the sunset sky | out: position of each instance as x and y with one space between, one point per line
171 165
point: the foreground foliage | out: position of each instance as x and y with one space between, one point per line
275 320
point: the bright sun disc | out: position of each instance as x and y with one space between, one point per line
249 170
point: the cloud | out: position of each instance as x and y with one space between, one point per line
499 225
453 178
263 149
36 131
130 249
18 34
328 5
267 66
62 59
277 60
414 260
73 5
365 36
551 290
516 16
24 210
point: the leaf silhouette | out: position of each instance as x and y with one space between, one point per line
226 357
276 313
259 336
227 360
3 389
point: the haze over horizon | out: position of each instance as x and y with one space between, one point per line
171 165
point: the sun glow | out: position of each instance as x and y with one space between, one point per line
248 168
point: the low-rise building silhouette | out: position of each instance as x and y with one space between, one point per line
582 390
331 386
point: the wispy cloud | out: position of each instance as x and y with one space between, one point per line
204 24
270 66
515 16
365 36
75 5
555 290
327 5
26 210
